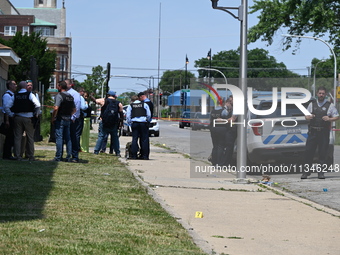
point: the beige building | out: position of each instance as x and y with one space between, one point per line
50 21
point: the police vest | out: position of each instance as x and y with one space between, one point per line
66 106
22 103
319 112
217 114
137 110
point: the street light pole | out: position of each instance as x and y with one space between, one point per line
213 69
241 129
315 74
334 56
209 76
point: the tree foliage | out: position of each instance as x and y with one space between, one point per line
95 80
125 98
25 46
260 65
298 17
172 81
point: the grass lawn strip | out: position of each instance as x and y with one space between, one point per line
94 207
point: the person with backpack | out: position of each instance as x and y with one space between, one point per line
63 109
111 120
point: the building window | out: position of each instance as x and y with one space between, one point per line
52 82
41 1
10 30
63 63
45 31
26 30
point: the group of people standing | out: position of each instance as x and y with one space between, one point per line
69 110
21 110
138 116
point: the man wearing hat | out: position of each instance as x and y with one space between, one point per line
143 98
111 119
138 115
25 106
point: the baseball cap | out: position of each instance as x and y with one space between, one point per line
111 93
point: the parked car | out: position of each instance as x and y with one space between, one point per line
272 141
185 119
153 126
200 121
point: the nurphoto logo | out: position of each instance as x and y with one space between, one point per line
238 96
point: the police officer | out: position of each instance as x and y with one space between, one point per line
7 102
323 113
138 115
218 133
25 106
231 131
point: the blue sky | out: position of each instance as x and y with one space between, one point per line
126 34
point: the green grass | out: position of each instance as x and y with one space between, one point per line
94 207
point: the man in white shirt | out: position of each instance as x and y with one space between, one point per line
75 122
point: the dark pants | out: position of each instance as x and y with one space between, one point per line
317 139
219 141
80 130
9 141
104 133
140 130
75 138
62 134
230 143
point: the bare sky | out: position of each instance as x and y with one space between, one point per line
126 34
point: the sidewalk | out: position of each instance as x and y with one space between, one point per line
237 218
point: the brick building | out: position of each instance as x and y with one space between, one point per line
46 18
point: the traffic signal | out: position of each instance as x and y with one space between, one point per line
108 69
182 98
160 98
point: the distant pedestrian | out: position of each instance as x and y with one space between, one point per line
63 109
323 113
7 102
138 115
25 106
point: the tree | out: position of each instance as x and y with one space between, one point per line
125 98
95 80
172 81
260 65
26 46
298 17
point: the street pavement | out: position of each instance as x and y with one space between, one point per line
227 217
